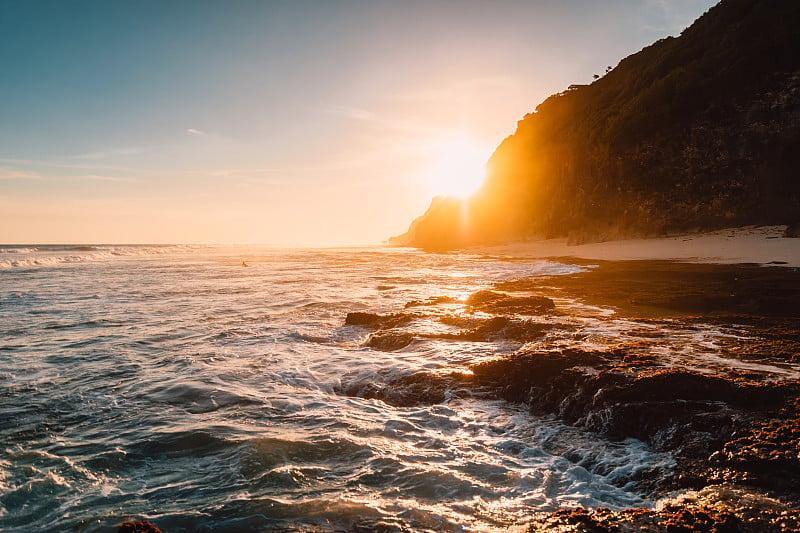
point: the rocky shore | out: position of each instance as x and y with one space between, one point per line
729 416
699 361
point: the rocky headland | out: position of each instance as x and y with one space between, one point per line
692 133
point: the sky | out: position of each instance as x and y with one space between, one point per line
287 123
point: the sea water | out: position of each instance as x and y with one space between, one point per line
203 388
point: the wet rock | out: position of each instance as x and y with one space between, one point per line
773 339
532 377
460 321
377 321
138 526
715 509
668 289
493 302
434 300
733 425
420 388
389 341
690 414
792 231
499 328
768 450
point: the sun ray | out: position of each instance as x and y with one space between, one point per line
458 168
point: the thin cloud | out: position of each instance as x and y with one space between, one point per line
96 177
57 164
9 174
111 153
192 131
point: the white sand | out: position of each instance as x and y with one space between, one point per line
762 244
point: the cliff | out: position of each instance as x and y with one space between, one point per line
695 132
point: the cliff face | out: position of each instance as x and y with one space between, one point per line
696 132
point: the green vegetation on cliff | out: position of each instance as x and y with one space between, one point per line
695 132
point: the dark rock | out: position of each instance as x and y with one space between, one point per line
693 415
769 450
498 328
712 510
669 289
727 425
421 388
533 376
138 526
433 300
792 231
492 302
376 321
388 341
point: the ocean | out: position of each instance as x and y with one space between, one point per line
214 388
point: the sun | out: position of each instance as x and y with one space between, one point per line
458 167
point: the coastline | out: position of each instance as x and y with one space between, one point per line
700 362
728 411
750 244
734 433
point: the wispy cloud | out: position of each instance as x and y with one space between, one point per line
192 131
60 164
96 177
9 174
111 153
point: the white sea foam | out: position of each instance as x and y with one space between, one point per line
172 378
49 256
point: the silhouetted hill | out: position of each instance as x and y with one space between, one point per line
691 133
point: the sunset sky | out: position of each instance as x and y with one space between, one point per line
288 123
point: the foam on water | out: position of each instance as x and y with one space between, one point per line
47 256
174 384
699 347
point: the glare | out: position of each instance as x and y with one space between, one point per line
458 167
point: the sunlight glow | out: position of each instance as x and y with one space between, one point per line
458 167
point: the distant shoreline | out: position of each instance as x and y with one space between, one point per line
751 244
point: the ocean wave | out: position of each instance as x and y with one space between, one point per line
202 395
18 250
188 443
49 256
318 514
266 454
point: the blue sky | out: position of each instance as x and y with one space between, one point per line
287 123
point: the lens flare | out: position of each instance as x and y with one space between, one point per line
458 167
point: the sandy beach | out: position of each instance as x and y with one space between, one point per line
754 244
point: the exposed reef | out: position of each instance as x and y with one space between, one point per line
493 302
715 509
138 526
727 410
712 424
